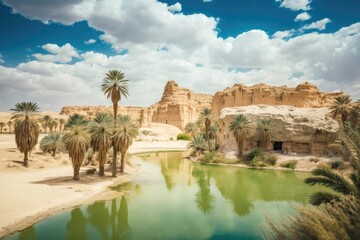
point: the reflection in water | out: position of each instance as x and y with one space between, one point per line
76 225
203 198
28 234
120 223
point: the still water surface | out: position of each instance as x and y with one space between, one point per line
175 199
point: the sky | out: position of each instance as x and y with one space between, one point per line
56 53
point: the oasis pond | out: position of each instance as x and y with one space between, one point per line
173 198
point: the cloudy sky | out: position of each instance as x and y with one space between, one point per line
56 53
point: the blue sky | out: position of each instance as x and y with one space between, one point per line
57 52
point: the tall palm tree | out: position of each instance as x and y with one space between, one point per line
101 130
265 130
47 121
240 127
213 129
25 115
61 123
198 144
207 116
341 107
334 181
77 141
191 128
114 86
52 143
2 124
9 123
126 132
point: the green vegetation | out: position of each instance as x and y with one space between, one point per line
207 116
52 143
214 158
289 164
240 127
198 145
192 128
257 158
265 130
145 132
341 107
183 136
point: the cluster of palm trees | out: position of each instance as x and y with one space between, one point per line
51 124
80 134
9 124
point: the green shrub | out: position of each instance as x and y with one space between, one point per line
271 160
145 132
256 152
183 136
336 164
289 164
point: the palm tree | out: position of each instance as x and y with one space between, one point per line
76 119
47 121
240 126
265 130
126 132
341 107
26 128
101 130
52 143
334 181
56 123
9 123
61 123
191 128
2 124
207 116
213 129
198 144
77 141
114 86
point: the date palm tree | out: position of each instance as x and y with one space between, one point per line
61 124
25 115
341 107
198 144
52 143
334 181
207 116
114 86
125 134
47 121
265 130
9 123
2 125
76 119
77 141
101 130
241 128
191 128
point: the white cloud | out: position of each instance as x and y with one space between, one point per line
302 17
295 5
90 41
175 8
319 25
207 1
1 58
284 34
61 54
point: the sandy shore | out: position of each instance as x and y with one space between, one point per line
45 188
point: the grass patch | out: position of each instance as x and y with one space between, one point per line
183 136
257 158
289 164
215 157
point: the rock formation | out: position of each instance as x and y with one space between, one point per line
299 130
304 95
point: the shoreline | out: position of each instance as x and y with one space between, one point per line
62 193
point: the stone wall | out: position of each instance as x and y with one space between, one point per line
299 130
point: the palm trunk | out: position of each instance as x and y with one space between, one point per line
76 171
122 162
26 163
240 148
113 142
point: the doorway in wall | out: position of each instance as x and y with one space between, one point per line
277 146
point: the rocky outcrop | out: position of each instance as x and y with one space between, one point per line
304 95
299 130
177 107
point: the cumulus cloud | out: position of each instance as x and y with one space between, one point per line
319 25
302 17
295 5
284 34
175 8
90 41
61 54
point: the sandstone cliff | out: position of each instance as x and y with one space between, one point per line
299 130
304 95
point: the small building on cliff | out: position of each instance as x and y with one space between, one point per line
298 130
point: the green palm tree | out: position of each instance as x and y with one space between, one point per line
265 130
47 121
76 119
341 107
334 181
114 86
101 130
25 115
213 130
77 141
61 124
9 123
2 124
52 143
191 128
240 127
207 116
198 144
125 134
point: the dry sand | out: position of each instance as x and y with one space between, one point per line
45 188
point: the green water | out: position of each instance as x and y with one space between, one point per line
175 199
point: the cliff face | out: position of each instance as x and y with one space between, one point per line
177 107
299 130
304 95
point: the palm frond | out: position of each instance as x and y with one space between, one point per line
318 198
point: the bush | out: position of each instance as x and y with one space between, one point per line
208 158
289 164
271 159
336 164
183 136
256 152
145 132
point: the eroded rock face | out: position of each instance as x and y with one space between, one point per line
177 107
298 130
304 95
